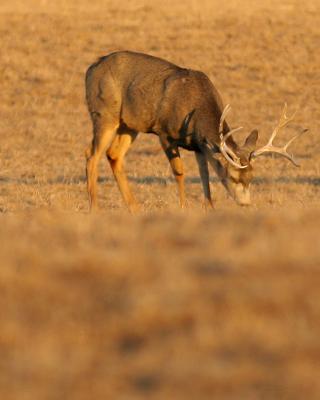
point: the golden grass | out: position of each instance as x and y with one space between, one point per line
160 306
167 304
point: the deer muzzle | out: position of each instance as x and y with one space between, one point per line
239 192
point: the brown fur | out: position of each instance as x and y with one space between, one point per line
131 92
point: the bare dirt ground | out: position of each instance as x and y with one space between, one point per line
166 304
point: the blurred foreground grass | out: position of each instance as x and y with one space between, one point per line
163 306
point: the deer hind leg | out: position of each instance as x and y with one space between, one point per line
116 154
204 175
173 155
103 135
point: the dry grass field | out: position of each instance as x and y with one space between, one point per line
166 304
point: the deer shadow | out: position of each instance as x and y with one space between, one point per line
157 180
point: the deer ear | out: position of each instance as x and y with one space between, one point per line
251 141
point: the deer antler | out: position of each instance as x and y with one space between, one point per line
270 148
226 151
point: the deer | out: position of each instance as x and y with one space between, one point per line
129 92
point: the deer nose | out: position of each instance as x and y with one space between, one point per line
243 196
244 202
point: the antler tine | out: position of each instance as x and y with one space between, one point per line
224 150
295 137
231 132
283 121
291 157
223 117
228 153
270 148
223 140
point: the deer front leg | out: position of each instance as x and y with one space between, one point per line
204 175
173 155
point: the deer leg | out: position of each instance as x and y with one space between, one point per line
204 175
103 135
173 155
115 154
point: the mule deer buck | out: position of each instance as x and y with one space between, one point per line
131 92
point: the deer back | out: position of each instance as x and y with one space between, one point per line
149 94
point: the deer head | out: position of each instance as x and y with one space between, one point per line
235 170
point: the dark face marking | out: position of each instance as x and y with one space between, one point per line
243 176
